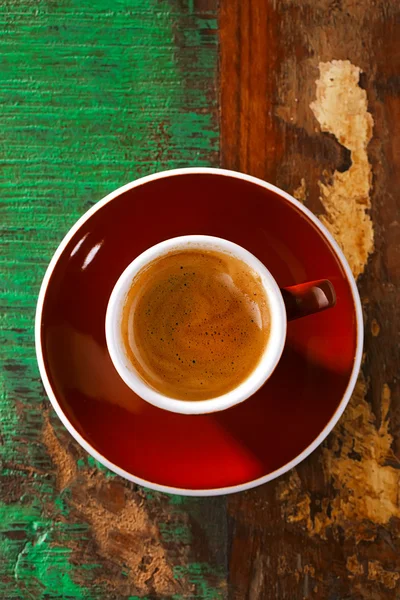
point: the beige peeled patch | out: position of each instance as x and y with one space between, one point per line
367 489
341 108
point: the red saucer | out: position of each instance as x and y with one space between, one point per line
244 445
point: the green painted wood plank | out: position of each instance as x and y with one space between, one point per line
92 95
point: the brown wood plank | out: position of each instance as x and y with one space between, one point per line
310 101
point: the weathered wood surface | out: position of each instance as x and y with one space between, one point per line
311 102
93 94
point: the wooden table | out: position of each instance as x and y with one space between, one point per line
302 93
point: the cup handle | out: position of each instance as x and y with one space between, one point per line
308 298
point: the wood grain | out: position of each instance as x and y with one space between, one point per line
310 101
93 95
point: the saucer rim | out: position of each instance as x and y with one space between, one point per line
206 491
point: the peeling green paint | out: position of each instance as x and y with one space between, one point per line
37 567
92 94
200 574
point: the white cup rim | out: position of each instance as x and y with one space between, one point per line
262 371
211 491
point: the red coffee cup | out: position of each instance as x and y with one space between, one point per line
287 304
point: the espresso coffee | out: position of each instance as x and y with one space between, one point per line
195 323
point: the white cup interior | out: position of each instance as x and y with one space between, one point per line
254 381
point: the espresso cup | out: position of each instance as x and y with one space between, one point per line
284 304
